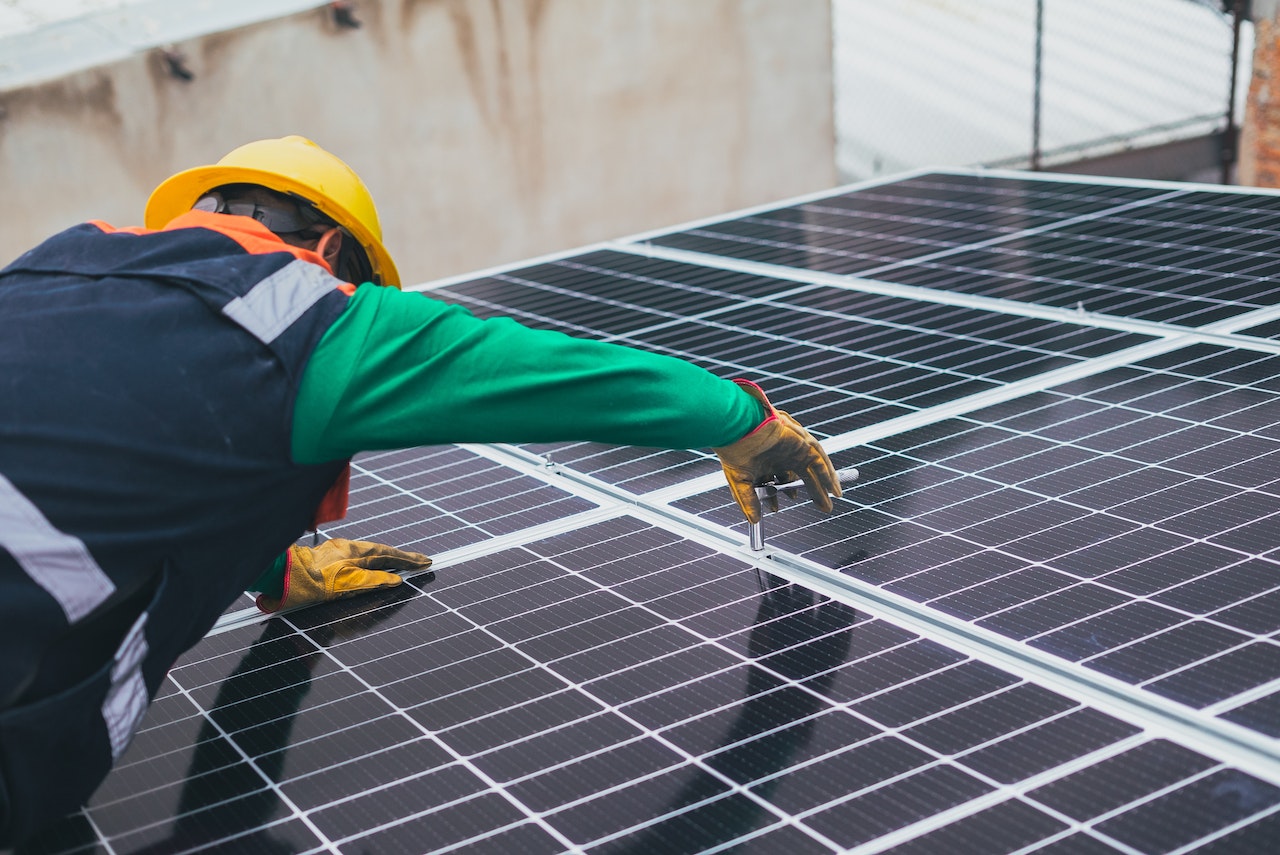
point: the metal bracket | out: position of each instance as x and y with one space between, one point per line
768 488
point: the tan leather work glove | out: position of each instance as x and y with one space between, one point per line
779 450
339 568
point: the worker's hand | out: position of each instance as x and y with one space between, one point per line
778 450
339 568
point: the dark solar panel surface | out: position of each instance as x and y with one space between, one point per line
1067 536
1113 250
619 688
916 218
1127 521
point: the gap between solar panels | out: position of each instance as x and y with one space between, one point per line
1173 340
1223 332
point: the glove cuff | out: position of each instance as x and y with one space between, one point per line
756 392
270 605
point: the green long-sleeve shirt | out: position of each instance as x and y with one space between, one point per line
400 369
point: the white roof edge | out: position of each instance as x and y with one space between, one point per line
56 49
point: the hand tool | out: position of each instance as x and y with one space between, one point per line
769 489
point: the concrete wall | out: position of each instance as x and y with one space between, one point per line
488 130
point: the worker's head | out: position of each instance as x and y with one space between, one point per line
298 190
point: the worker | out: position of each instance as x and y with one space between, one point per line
179 403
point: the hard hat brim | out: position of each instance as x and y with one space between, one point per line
175 196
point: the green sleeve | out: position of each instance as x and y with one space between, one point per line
398 370
271 582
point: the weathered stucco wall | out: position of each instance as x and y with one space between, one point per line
488 130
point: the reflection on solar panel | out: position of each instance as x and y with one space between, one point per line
1046 619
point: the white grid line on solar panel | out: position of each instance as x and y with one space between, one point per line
1238 245
394 709
1219 329
483 496
370 516
555 320
271 785
573 271
822 252
993 194
988 548
1055 278
893 730
893 426
1059 792
1264 690
1120 810
1268 330
1072 827
481 307
1225 832
1226 742
1117 454
819 238
1176 425
535 662
777 300
1088 583
1181 208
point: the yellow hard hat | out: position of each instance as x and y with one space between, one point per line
292 165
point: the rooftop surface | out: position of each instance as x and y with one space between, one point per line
1045 618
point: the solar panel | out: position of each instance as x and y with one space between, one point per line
1125 521
1113 250
1044 619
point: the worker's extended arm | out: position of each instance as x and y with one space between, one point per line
401 369
398 370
